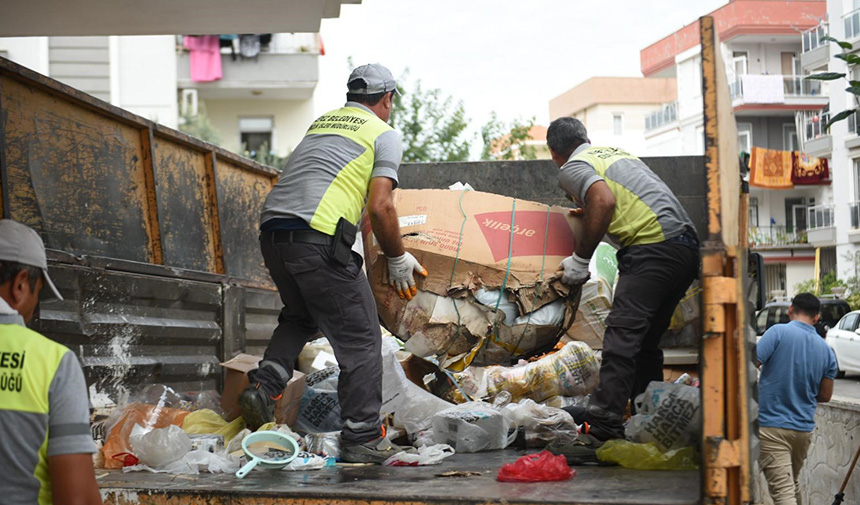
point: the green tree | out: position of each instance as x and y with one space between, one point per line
199 126
433 125
503 141
851 60
821 287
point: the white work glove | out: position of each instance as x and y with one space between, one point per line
575 270
400 274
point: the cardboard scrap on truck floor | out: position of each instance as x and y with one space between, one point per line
468 240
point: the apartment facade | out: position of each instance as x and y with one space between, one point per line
762 43
615 110
264 100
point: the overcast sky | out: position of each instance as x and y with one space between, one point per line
503 55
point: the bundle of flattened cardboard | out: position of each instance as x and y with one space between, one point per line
469 242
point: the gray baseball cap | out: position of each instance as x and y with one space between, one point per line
21 244
377 78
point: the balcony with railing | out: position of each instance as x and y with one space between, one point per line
776 236
816 138
816 53
820 226
667 114
287 69
777 89
851 21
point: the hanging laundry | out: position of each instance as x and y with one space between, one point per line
808 170
205 57
249 46
770 169
763 88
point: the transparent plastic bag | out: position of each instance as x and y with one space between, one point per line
647 456
540 424
427 455
473 427
158 447
417 414
572 371
324 444
394 381
149 417
541 467
319 411
667 415
193 463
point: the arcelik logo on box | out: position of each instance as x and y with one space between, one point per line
528 234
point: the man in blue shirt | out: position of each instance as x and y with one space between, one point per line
797 371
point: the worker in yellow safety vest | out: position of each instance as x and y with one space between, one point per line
619 197
47 444
349 156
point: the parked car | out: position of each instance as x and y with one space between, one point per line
844 339
776 311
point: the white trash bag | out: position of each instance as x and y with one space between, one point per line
473 427
667 415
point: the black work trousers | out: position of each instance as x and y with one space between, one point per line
652 280
319 294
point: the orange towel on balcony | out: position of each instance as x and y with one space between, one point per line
808 170
770 169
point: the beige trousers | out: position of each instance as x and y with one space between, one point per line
782 455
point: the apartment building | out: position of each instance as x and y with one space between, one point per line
616 110
261 100
763 44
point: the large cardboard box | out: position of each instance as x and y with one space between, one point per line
236 380
468 240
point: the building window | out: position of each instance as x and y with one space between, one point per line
740 62
795 214
256 134
754 211
745 140
789 138
774 276
617 124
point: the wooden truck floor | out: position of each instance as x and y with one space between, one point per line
405 485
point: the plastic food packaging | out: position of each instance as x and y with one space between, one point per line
427 455
417 414
324 444
647 456
594 307
541 467
668 415
158 447
473 427
560 402
309 461
572 371
208 443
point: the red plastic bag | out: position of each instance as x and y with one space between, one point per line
541 467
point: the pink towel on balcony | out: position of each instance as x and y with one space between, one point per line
205 57
770 169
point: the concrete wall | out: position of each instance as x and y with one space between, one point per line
143 77
291 120
796 273
32 52
538 180
834 442
598 120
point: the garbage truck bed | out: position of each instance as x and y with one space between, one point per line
404 485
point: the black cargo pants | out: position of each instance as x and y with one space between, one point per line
652 280
319 294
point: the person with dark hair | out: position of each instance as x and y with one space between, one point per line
797 372
619 197
44 409
349 156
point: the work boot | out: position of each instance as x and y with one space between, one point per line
258 408
373 451
581 450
